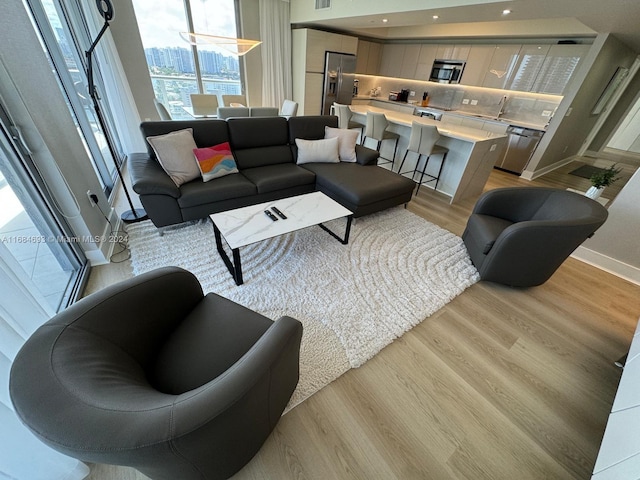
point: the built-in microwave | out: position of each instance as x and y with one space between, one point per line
447 71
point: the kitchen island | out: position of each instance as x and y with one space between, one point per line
472 152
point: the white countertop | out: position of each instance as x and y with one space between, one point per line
459 132
507 121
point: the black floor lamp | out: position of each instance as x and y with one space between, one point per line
106 11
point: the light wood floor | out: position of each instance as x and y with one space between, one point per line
501 383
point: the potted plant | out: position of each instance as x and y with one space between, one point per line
601 180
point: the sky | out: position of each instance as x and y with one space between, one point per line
161 21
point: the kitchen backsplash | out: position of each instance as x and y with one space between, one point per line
532 108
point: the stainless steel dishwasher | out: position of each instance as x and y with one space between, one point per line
521 145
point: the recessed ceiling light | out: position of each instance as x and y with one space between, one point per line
506 12
384 20
435 17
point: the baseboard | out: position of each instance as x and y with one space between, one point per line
103 255
613 154
527 175
608 264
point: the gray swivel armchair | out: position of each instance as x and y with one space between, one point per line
520 236
152 374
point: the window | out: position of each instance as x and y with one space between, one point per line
65 36
179 69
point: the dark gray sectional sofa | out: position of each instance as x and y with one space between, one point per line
265 152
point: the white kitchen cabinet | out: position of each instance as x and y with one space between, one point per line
425 61
315 43
391 62
530 61
453 52
558 67
348 44
502 64
409 61
368 57
362 56
477 65
308 56
373 61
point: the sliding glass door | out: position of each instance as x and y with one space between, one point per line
65 35
35 241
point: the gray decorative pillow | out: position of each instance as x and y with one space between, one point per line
317 151
175 153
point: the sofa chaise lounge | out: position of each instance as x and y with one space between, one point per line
265 151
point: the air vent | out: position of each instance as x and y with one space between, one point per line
321 4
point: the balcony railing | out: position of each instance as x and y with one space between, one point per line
174 91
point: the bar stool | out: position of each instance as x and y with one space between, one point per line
376 128
423 142
344 113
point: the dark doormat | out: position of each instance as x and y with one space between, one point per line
586 171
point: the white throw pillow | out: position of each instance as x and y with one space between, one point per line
320 151
346 142
175 153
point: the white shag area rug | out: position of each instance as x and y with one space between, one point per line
352 300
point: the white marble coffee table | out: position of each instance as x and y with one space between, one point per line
243 226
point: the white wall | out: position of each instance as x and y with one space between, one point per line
627 137
615 247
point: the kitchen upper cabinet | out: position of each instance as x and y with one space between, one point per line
368 57
315 43
412 61
334 42
409 61
425 61
308 50
525 73
477 64
453 52
502 65
348 44
391 62
373 61
558 67
362 56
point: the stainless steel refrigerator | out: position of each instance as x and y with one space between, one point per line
339 76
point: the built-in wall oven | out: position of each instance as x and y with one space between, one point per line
447 71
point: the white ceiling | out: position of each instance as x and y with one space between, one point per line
529 18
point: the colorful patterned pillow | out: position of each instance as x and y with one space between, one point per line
216 161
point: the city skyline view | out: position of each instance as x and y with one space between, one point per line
172 61
179 60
